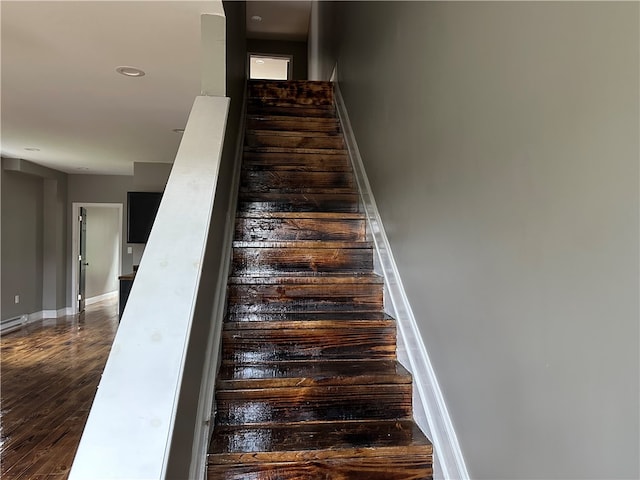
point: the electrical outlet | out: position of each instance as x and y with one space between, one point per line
129 249
16 299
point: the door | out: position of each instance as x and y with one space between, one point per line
82 259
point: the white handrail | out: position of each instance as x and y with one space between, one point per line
131 425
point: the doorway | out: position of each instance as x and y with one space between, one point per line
96 252
270 67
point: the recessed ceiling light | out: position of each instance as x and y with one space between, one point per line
32 149
130 71
256 18
259 61
178 130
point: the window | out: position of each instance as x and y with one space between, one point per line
265 67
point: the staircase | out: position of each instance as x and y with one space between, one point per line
309 386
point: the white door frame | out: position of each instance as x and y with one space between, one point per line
75 244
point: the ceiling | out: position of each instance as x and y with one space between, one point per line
280 20
61 94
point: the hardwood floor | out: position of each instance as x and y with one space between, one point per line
50 372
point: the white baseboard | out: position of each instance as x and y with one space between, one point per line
429 409
99 298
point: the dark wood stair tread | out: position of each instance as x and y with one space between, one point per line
307 316
308 340
308 278
309 324
303 215
299 202
385 466
293 133
310 373
314 244
314 404
287 123
290 227
264 258
294 181
326 161
309 441
288 109
296 150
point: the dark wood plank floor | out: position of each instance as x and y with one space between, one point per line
50 372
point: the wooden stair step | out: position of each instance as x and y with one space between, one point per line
298 226
386 466
282 122
309 278
299 202
304 162
300 91
314 404
304 316
287 109
292 256
295 150
311 373
309 140
283 181
256 342
309 385
376 450
325 296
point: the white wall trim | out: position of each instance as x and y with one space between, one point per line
430 411
207 391
99 298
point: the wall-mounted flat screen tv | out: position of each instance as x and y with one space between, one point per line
142 208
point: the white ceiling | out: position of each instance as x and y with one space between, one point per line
281 20
60 92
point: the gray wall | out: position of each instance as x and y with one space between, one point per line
113 189
100 189
46 193
501 141
279 47
22 234
103 245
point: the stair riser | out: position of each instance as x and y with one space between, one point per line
303 202
267 261
297 141
283 345
234 376
293 124
309 404
309 162
372 439
253 229
288 109
399 467
297 298
303 93
266 181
